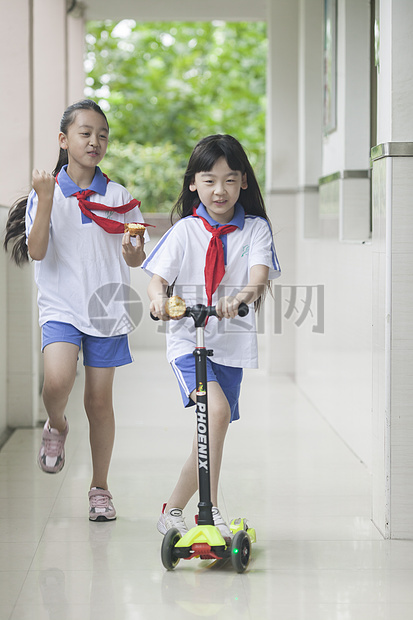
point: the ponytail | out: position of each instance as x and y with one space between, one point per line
62 161
16 221
16 229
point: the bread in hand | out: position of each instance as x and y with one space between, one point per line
175 307
135 229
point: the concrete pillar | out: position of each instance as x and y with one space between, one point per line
18 392
49 78
282 166
35 80
309 115
392 274
345 183
75 56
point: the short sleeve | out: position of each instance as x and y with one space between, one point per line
262 249
167 256
31 210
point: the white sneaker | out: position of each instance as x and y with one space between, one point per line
173 518
220 523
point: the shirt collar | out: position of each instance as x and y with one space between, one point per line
69 187
238 219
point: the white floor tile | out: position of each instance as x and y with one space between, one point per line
317 556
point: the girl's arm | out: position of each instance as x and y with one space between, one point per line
227 307
157 294
134 255
38 241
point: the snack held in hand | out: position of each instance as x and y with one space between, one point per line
135 229
175 307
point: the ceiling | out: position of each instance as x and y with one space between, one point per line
175 10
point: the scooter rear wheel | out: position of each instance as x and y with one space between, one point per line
240 551
169 558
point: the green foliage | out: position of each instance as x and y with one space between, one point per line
164 86
152 174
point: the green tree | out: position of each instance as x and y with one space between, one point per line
164 86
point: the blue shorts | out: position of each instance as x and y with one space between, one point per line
228 378
97 351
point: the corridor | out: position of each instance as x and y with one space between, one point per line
317 556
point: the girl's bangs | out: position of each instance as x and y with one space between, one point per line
207 160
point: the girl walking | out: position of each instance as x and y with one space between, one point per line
72 226
220 252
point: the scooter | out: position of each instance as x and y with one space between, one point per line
205 541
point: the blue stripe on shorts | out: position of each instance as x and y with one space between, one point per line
227 377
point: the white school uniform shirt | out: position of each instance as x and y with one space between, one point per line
179 258
81 257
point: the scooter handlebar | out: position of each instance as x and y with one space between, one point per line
243 310
211 310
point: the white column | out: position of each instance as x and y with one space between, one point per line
18 386
310 118
392 279
75 56
282 166
49 78
34 77
15 101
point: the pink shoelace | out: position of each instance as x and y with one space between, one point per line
53 445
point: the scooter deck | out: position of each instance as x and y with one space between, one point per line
208 534
202 541
242 524
206 541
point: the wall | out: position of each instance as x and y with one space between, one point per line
44 51
282 169
17 402
333 249
392 269
3 334
333 368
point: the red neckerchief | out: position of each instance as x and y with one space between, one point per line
214 261
110 226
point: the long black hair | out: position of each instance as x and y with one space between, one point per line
16 225
203 158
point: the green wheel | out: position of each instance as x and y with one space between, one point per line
240 551
169 559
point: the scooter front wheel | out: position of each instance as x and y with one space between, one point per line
240 551
168 555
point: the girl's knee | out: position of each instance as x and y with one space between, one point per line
220 416
98 406
56 387
218 406
98 391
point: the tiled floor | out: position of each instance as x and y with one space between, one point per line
317 557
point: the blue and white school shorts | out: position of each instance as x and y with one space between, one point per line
229 379
98 352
